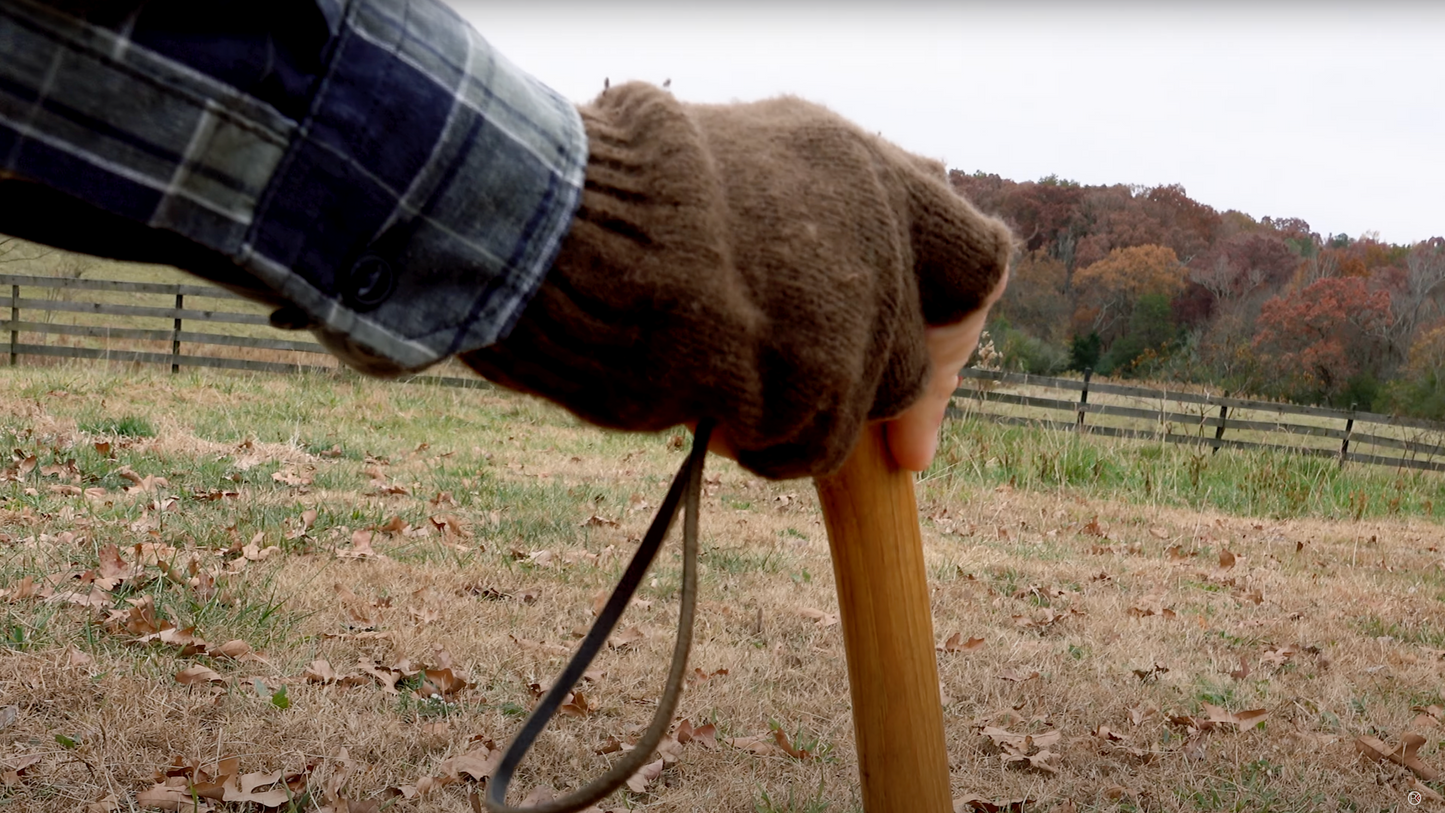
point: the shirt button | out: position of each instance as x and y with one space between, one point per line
369 283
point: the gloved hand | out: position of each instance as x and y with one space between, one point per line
769 265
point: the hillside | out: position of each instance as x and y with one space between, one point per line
1147 282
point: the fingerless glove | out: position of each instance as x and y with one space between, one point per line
769 265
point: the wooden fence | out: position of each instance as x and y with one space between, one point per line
1194 418
235 334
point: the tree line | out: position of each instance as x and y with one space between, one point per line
1145 282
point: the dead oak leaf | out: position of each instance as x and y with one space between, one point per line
1427 716
645 775
818 617
1403 754
172 794
699 676
1218 717
113 566
955 643
704 735
575 705
243 788
442 683
184 638
1426 792
757 743
626 638
781 738
1042 761
1138 714
198 675
360 547
476 764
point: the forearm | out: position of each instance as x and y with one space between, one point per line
395 181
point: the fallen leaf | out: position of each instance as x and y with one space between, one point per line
955 643
704 735
757 743
781 738
1151 673
1138 714
477 763
1042 761
639 781
198 674
818 617
1402 754
626 638
442 683
1243 671
1425 791
575 705
360 547
167 796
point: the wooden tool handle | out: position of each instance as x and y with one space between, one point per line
872 520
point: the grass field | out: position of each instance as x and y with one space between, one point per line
307 593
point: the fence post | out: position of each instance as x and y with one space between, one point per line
176 336
1083 399
1219 431
14 318
1349 428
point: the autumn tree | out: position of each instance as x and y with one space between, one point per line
1421 390
1315 340
1110 288
1189 227
1036 299
1235 268
1417 288
1150 334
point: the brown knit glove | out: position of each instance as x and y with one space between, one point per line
768 265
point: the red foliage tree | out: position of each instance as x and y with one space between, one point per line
1315 339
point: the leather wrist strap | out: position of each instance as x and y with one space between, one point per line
686 487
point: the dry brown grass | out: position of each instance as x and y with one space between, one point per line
1341 623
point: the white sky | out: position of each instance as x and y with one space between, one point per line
1333 113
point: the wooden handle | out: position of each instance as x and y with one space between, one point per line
872 521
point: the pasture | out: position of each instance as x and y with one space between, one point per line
254 592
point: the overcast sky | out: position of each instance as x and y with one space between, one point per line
1334 114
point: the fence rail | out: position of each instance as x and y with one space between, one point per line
112 342
1425 450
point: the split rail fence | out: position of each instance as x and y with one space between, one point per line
1177 416
155 323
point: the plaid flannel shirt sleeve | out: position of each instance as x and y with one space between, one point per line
409 197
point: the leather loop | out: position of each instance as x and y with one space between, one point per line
686 487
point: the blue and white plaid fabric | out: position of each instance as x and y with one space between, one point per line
409 196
